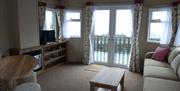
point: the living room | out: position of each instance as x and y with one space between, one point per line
75 41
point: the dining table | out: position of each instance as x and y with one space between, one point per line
16 67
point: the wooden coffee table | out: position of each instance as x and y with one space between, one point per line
108 78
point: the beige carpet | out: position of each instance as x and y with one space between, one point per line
75 77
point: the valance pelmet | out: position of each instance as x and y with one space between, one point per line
138 1
42 4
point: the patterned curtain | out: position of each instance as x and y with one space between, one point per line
59 22
174 22
57 16
41 13
86 39
178 12
134 60
176 40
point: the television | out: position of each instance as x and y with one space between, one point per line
47 36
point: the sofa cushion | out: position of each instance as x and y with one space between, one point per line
152 62
160 53
175 63
178 73
155 84
160 72
173 54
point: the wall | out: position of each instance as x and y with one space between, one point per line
13 24
28 23
144 45
4 34
74 50
23 23
19 24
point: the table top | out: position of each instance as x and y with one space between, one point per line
14 67
109 76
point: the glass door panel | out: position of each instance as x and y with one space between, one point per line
101 35
122 37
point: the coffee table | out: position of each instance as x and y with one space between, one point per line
108 78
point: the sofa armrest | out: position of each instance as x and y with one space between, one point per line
149 54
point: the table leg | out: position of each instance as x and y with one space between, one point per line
122 83
10 85
92 87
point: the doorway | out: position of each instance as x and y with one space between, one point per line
112 35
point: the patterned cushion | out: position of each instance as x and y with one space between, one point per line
30 86
160 53
173 54
175 63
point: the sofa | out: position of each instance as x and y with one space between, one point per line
162 76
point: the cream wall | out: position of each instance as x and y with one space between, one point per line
28 23
18 24
13 24
74 51
4 34
23 23
143 44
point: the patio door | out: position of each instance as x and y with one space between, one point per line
112 36
101 36
122 37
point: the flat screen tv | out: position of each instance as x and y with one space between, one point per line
47 36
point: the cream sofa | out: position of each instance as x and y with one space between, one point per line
162 76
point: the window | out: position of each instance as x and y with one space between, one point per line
72 24
159 25
101 18
124 22
50 20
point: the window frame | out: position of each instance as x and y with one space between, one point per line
113 8
151 10
75 20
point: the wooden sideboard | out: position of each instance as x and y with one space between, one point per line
54 53
51 54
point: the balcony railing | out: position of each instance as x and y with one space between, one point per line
121 49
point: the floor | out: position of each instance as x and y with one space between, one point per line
75 77
121 58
